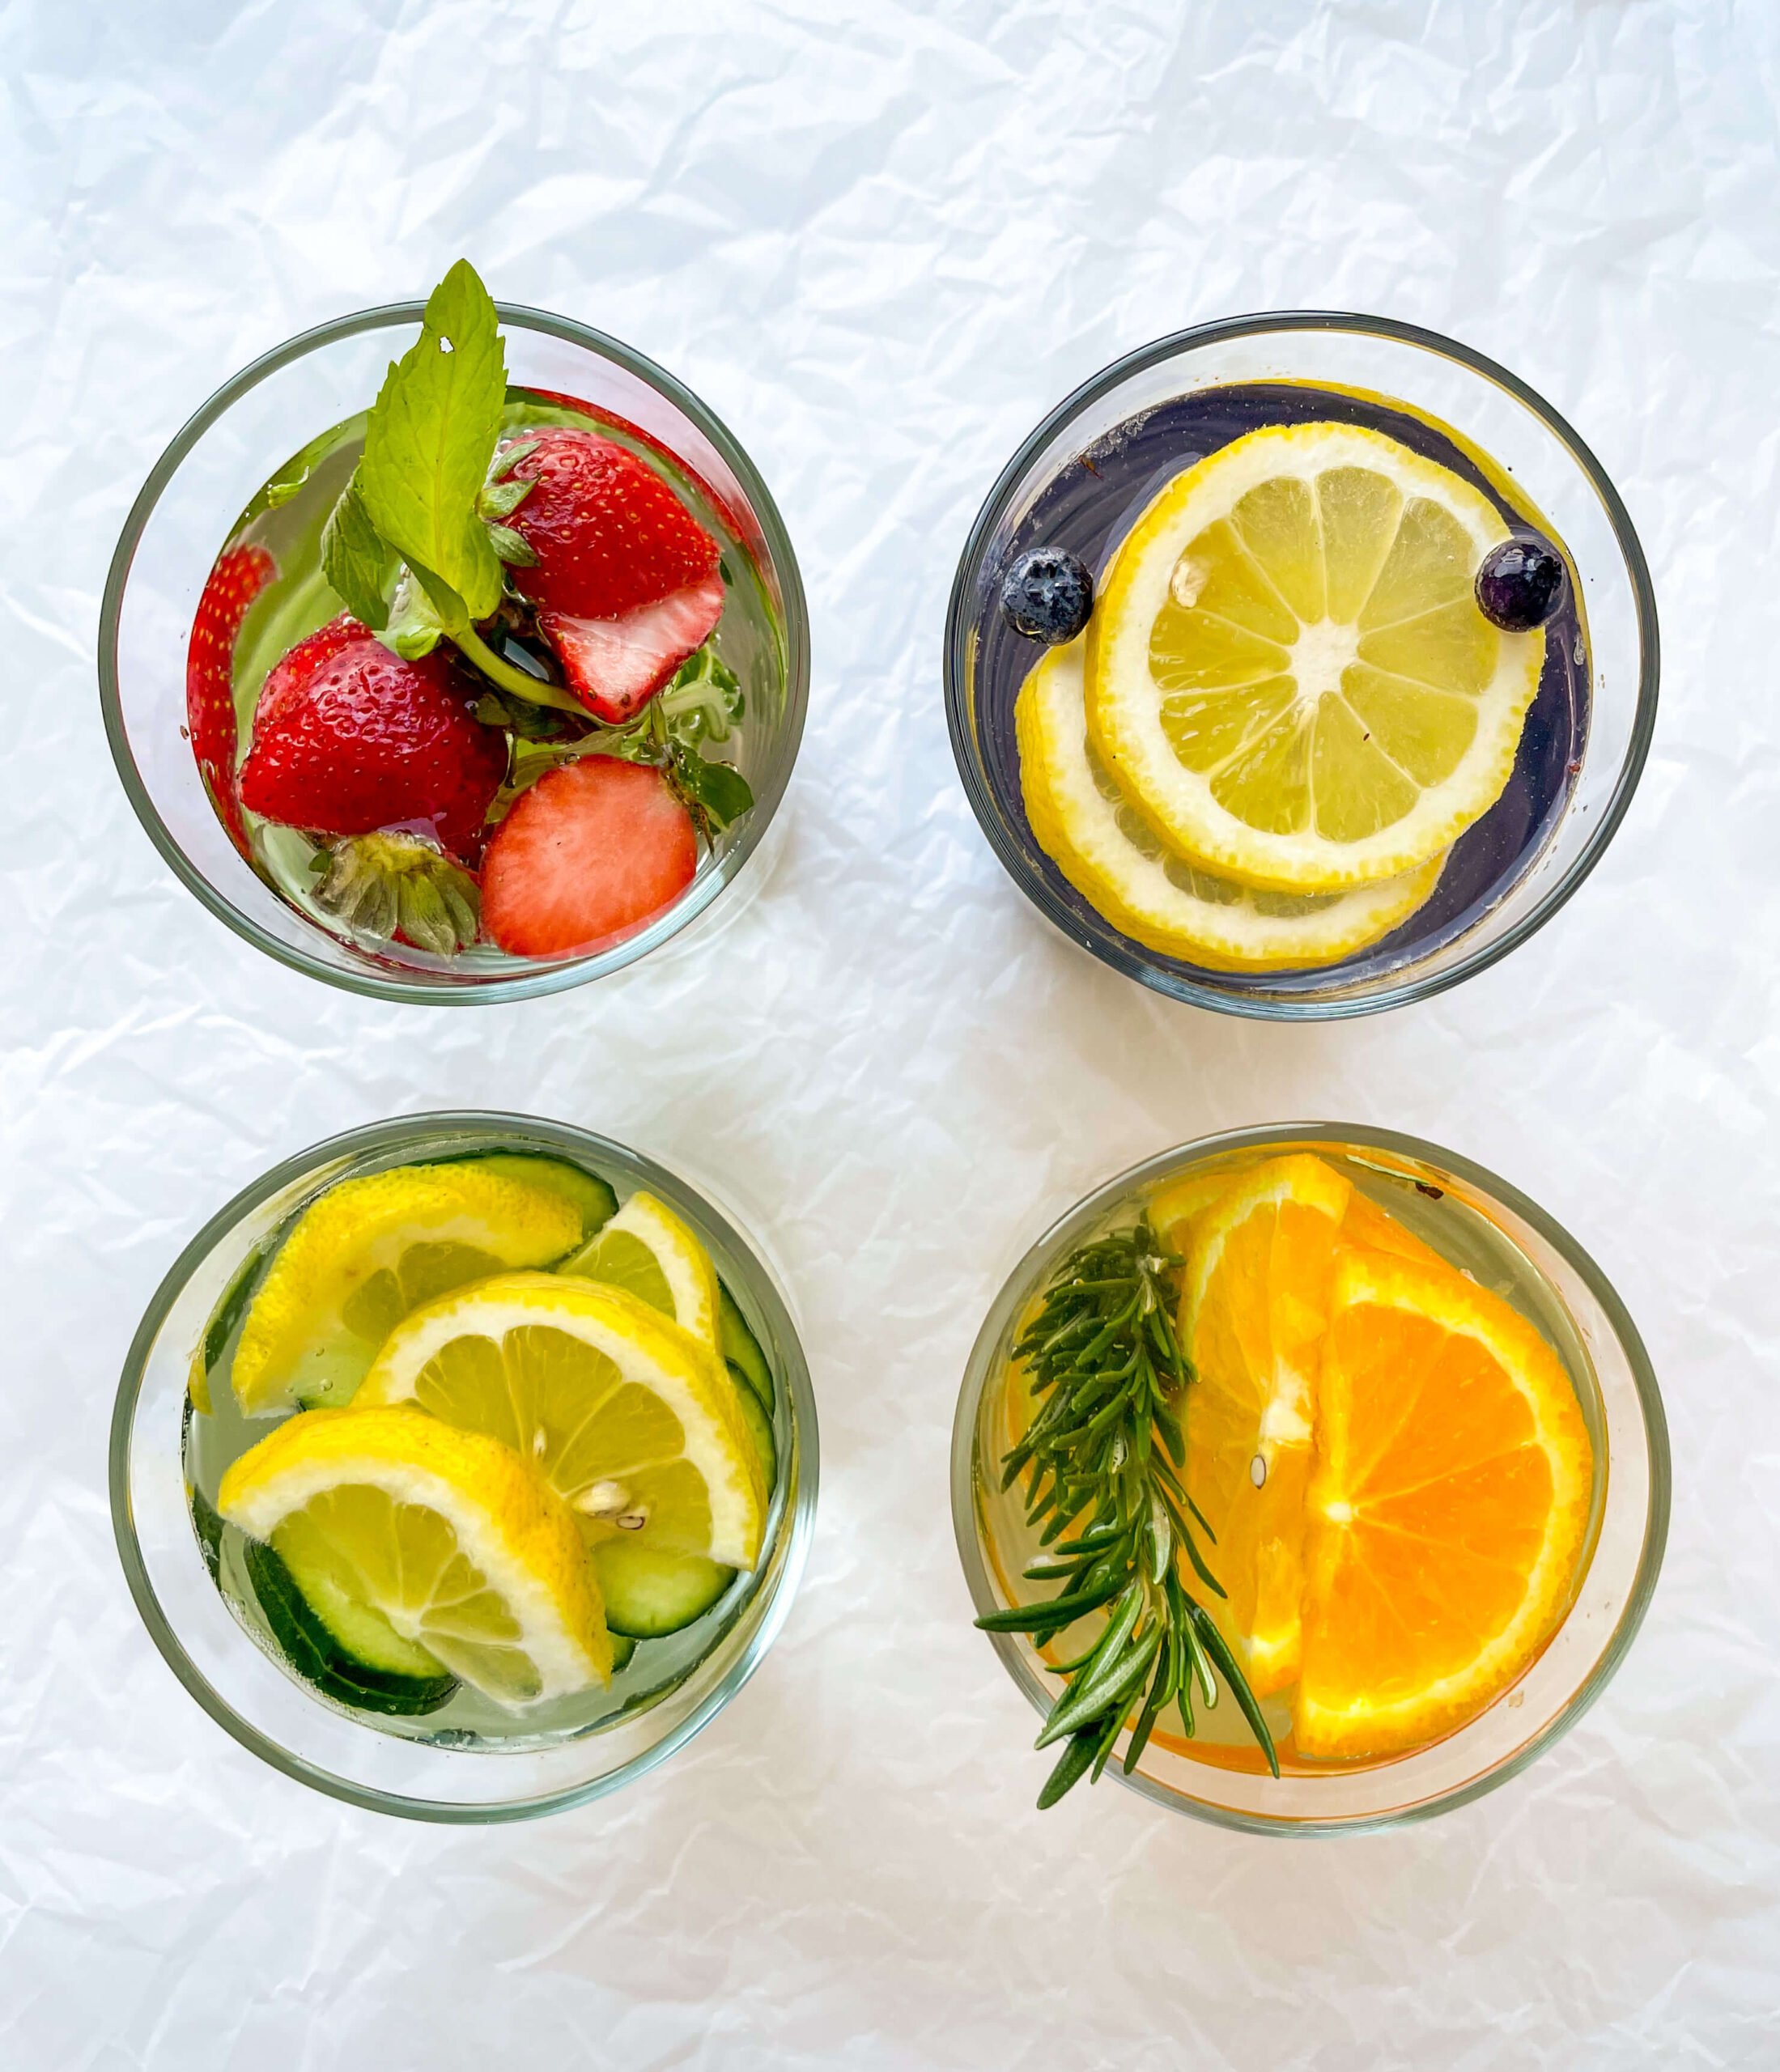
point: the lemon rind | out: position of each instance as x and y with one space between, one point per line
515 1529
691 1278
442 1205
1078 829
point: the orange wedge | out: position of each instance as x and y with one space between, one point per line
1379 1230
1254 1306
1178 1205
1175 1208
1448 1511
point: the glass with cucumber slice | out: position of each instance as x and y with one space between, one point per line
473 1475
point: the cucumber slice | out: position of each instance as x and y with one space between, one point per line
358 1629
760 1424
742 1349
231 1308
648 1592
317 1657
623 1647
208 1525
590 1194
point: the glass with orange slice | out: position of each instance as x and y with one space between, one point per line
1426 1446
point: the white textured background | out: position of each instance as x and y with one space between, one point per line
881 239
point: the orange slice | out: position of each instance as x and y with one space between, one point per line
1446 1512
1176 1208
1365 1223
1254 1307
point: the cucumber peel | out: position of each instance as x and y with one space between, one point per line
320 1659
760 1424
649 1592
742 1349
587 1191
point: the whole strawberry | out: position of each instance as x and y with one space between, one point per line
349 738
626 581
609 533
237 579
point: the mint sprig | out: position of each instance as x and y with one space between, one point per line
415 518
357 560
432 435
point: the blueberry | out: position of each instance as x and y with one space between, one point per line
1046 595
1519 584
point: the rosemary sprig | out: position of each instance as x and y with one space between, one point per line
1103 1458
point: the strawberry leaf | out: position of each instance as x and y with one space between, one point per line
501 499
716 790
414 627
510 457
429 441
513 548
356 560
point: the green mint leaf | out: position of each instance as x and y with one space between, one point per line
430 437
719 789
452 613
501 499
355 559
511 547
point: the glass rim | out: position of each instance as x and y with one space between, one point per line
981 1362
1133 962
798 1524
548 978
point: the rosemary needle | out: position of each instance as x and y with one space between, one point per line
1101 1461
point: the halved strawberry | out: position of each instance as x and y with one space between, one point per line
237 579
592 852
350 739
609 533
615 666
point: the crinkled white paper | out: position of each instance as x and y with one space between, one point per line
881 239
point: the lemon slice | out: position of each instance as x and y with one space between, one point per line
1110 853
367 1252
647 1250
1288 673
628 1418
445 1541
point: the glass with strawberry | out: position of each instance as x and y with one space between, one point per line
493 685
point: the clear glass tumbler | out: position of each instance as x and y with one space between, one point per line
1484 1226
395 1768
1087 472
252 430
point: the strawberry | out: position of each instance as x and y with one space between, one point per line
616 665
626 585
238 578
594 850
349 739
609 533
290 674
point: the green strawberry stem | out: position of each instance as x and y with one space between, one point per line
534 689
